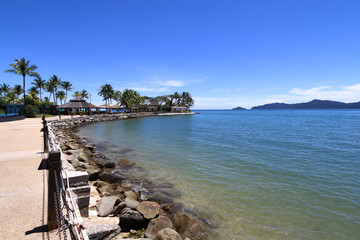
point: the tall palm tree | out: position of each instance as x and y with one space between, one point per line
106 92
76 94
39 83
33 92
22 67
61 96
84 94
54 83
67 86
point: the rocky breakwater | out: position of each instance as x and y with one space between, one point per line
134 212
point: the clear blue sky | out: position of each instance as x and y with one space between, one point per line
226 53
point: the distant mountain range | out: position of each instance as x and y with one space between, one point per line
314 104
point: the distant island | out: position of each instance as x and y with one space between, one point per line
239 108
314 104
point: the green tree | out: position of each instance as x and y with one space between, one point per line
67 86
4 89
106 91
54 83
130 98
23 67
84 94
39 83
61 96
76 94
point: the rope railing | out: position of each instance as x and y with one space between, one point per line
63 211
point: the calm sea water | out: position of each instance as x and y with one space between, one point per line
288 174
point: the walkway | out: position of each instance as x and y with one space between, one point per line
21 184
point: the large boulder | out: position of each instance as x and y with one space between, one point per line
106 205
167 234
148 209
111 178
189 227
131 219
156 225
131 203
131 194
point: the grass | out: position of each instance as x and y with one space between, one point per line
46 115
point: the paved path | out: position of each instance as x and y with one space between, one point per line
22 188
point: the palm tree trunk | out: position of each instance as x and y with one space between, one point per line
24 90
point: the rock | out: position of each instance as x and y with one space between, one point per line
90 148
130 219
98 232
130 203
71 158
131 194
125 163
167 234
93 174
148 209
125 150
126 185
119 207
109 165
111 178
100 162
106 205
71 146
156 225
189 227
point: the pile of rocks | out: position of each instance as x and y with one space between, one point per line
116 197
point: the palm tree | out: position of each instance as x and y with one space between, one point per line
106 92
33 92
130 98
17 90
39 83
54 83
61 96
4 89
22 67
67 86
76 94
176 96
84 94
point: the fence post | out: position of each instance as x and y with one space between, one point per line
46 136
54 163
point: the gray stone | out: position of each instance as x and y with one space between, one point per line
111 178
130 203
131 219
156 225
109 165
106 205
93 174
132 195
98 232
119 207
189 227
148 209
167 234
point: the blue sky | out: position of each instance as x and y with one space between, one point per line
226 53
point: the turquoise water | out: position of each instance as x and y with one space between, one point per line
288 174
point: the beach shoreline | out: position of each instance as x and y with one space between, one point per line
66 132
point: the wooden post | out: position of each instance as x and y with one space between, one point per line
46 136
54 163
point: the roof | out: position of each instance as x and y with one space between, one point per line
154 104
75 103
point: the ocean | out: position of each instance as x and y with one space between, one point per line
260 174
